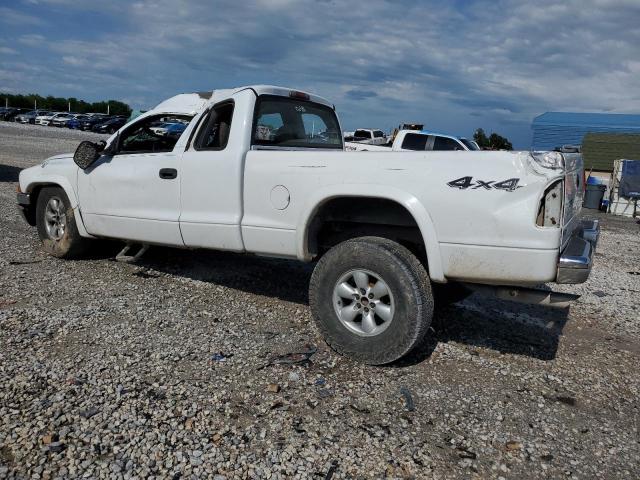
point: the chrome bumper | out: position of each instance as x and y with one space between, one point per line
591 231
576 259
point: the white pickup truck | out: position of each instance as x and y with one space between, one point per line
417 141
367 136
262 170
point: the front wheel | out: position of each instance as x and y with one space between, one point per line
57 225
371 299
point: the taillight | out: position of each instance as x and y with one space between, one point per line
549 159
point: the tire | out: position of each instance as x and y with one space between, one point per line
408 307
61 243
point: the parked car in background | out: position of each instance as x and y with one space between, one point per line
76 121
413 140
175 130
45 118
93 120
368 136
9 114
30 117
110 126
61 119
162 128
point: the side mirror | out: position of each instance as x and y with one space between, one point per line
87 153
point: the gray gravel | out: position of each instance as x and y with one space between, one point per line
27 145
169 368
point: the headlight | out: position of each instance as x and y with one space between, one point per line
549 159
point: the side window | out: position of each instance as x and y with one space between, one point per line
362 134
214 134
378 133
414 141
158 133
444 143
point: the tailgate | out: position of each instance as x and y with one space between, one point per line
573 194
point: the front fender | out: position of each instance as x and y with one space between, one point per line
408 201
33 178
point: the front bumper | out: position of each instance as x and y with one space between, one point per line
26 208
576 259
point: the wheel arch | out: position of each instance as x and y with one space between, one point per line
35 187
408 202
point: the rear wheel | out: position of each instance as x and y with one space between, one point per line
57 226
371 299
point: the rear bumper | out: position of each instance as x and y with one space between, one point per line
576 260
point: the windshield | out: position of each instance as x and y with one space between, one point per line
469 145
289 122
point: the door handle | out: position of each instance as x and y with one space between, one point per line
168 173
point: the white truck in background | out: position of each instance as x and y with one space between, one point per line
367 136
414 140
262 170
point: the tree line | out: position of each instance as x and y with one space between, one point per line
492 142
61 104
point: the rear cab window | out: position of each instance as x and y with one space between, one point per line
414 141
444 143
362 134
294 123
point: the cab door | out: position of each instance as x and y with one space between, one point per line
134 193
213 164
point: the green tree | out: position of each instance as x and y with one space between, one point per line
493 142
481 138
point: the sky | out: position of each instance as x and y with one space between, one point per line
453 65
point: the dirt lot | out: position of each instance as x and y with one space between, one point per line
164 368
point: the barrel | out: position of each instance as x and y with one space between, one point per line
593 196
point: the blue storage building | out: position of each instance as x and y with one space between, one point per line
554 129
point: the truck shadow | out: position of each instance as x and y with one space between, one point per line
478 322
9 173
283 279
505 327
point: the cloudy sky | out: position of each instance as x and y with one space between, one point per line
453 65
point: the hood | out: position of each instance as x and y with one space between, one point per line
59 169
56 160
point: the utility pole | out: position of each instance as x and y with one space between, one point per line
108 109
35 104
69 106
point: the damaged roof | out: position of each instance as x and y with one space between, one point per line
190 103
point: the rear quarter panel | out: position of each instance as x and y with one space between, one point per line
478 215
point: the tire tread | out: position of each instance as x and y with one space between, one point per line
420 284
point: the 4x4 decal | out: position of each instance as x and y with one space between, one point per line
463 183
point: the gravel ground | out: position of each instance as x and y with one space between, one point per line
166 368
